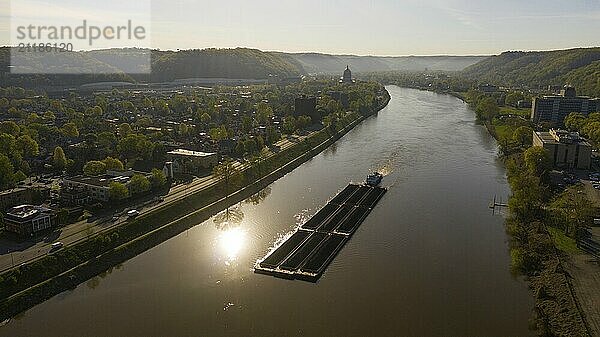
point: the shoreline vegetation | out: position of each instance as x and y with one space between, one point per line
33 283
542 226
536 213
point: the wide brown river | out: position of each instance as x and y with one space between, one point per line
430 260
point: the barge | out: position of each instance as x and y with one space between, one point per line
307 253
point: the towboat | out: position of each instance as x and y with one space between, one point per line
374 179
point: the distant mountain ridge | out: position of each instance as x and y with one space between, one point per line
238 63
579 67
316 63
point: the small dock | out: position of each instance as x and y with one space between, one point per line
497 204
306 254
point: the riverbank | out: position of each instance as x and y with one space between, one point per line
34 283
534 252
557 310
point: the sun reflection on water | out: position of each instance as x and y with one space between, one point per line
232 242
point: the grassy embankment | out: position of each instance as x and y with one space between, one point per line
541 225
539 238
28 285
504 124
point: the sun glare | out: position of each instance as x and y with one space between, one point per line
232 241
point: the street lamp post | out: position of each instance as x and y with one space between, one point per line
12 258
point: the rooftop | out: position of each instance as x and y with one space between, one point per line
561 137
13 190
24 212
189 153
106 179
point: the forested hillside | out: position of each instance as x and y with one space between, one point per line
243 63
227 63
577 67
52 68
166 66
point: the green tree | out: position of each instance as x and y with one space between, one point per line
247 124
7 179
289 125
139 184
263 113
19 176
70 130
249 146
205 118
28 146
4 104
117 191
49 116
523 135
135 146
113 164
331 122
537 161
10 128
304 122
158 179
8 144
13 112
571 212
487 109
59 159
94 168
107 140
128 106
33 118
218 134
575 121
256 162
125 130
526 201
229 174
513 98
260 143
272 135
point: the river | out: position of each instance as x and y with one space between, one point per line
430 260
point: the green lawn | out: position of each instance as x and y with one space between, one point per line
504 132
563 242
506 110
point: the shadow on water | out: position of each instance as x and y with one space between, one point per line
230 218
259 197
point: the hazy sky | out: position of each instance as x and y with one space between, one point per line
369 27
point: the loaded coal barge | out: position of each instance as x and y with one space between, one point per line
306 253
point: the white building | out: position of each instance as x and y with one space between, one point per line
187 161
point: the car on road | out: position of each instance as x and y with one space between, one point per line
133 213
56 246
